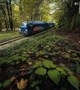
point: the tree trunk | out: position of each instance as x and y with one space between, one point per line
9 11
73 22
0 26
10 18
5 19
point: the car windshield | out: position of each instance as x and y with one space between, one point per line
24 24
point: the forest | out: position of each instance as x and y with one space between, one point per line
63 12
47 60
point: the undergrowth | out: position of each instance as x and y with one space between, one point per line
45 62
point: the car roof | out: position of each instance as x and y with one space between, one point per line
36 22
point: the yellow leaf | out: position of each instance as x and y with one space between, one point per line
22 84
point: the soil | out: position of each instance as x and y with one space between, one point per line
72 36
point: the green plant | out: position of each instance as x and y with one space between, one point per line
55 76
6 83
41 71
74 81
56 73
49 64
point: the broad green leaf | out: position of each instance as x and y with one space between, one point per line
61 70
49 64
6 83
74 81
41 71
40 53
67 70
39 63
54 75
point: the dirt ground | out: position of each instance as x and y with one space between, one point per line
72 36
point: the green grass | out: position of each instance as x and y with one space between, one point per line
8 35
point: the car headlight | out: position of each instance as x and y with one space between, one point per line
26 30
19 30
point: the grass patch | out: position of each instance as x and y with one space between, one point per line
8 35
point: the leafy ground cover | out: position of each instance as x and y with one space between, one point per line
45 62
8 35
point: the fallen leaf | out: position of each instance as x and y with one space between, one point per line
22 84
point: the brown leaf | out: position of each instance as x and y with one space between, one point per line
22 84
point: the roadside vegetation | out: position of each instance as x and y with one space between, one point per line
8 35
42 63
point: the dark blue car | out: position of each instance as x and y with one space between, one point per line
28 28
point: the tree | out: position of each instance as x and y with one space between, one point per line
3 16
72 13
6 9
69 13
30 8
9 12
45 11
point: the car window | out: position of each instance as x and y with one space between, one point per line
24 24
